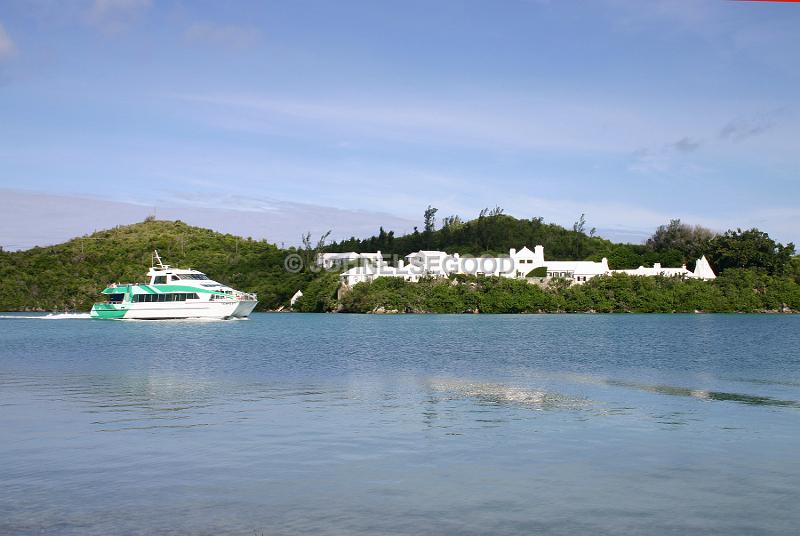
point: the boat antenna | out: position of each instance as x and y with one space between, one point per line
156 260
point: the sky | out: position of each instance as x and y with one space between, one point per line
282 117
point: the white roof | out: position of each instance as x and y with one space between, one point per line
578 267
655 270
346 255
703 269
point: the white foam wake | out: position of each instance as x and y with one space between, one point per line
51 316
67 316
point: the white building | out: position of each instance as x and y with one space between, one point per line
702 270
333 260
371 271
578 271
517 265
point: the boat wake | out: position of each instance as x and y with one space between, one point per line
192 320
51 316
505 394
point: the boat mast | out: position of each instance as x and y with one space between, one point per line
156 260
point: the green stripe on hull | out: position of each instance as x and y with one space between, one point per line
106 310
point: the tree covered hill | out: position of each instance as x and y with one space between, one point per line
71 275
493 232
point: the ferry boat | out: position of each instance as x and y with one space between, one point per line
173 293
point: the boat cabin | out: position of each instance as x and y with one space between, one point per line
168 275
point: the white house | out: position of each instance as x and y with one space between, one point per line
371 271
578 271
332 260
526 260
433 263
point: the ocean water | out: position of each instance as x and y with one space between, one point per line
340 424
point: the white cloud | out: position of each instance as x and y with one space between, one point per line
113 16
223 36
7 47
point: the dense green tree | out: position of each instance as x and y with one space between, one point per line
690 240
430 219
749 249
736 290
319 296
794 269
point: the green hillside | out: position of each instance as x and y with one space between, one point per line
71 275
757 272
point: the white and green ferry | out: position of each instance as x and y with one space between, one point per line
173 293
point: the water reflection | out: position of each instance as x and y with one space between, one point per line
741 398
493 393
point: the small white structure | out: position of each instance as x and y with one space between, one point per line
702 270
657 269
297 296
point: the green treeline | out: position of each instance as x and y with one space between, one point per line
737 290
489 233
495 233
756 273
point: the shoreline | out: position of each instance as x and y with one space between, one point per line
391 312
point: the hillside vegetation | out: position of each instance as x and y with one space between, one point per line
71 275
735 291
756 272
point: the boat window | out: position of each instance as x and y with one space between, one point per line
165 297
175 277
200 277
160 280
116 298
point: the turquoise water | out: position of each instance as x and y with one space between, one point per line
339 424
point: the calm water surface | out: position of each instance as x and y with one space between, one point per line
338 424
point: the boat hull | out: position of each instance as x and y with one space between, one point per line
244 308
220 310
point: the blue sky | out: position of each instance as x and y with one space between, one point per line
632 112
